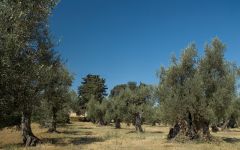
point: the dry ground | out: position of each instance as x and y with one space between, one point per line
80 135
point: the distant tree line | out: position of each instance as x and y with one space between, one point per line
194 94
128 103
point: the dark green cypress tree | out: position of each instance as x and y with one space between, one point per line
92 88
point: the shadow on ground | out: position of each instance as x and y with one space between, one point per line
153 132
54 141
131 132
72 140
231 140
85 128
77 132
86 140
86 137
70 132
11 146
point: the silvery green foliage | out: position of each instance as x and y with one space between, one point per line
203 87
23 38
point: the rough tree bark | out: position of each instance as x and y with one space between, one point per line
29 139
224 125
192 129
117 124
205 130
53 125
214 128
138 122
101 122
173 132
232 123
154 123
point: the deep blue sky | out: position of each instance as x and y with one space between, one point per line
128 40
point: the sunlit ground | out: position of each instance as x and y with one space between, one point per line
80 135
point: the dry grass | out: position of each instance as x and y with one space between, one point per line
80 135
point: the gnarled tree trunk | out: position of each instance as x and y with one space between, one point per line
53 125
138 122
117 124
224 126
192 129
29 139
206 131
173 132
202 130
214 128
101 122
232 122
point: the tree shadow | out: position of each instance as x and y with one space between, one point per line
86 140
87 133
62 141
11 146
156 132
71 140
54 141
85 128
231 140
70 132
77 132
130 132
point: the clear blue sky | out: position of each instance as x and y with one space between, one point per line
128 40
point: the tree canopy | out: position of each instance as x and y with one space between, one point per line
196 92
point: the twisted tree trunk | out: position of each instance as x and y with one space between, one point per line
224 126
138 122
53 125
192 129
101 122
173 132
232 122
214 128
29 139
117 124
206 131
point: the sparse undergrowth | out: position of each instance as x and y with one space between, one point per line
84 135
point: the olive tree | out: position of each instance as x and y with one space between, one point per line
193 90
129 103
24 35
